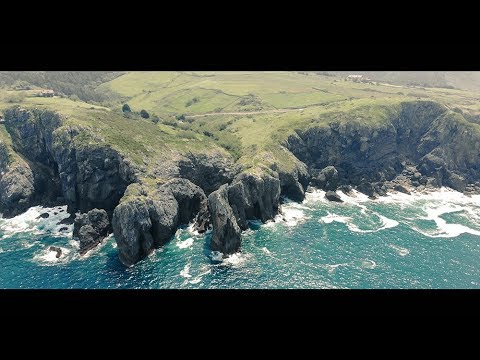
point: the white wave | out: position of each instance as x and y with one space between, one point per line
332 267
386 224
328 219
31 222
368 264
236 259
216 256
199 277
400 251
292 216
49 257
266 251
445 229
186 271
185 244
1 250
314 195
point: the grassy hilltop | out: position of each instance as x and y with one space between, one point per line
248 114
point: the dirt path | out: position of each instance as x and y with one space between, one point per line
245 112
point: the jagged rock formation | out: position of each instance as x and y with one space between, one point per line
53 167
91 228
416 144
248 197
146 218
333 196
442 144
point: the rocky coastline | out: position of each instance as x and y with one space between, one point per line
422 146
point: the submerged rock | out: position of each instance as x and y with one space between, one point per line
57 250
333 196
401 188
44 215
91 228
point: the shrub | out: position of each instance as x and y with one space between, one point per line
192 101
144 114
180 117
169 122
155 119
126 108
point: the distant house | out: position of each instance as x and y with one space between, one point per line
354 77
358 78
46 93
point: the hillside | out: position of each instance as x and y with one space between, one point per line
221 148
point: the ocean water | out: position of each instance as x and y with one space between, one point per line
399 241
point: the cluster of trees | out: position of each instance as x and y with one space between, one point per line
81 84
127 111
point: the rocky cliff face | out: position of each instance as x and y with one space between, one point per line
146 218
58 168
248 197
419 144
439 142
91 228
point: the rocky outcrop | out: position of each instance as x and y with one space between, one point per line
333 196
250 196
441 146
226 232
17 190
293 183
91 228
57 165
327 179
147 218
208 170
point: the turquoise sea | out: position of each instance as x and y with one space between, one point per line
429 240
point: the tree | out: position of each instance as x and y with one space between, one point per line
144 114
155 119
126 108
180 117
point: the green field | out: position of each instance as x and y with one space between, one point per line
248 114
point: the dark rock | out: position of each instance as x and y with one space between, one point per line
67 221
366 188
44 215
423 180
203 219
208 171
401 188
415 183
144 221
333 196
17 190
346 189
64 229
254 197
327 179
57 250
55 213
456 182
294 183
226 232
91 228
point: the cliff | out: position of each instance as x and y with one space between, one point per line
148 185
